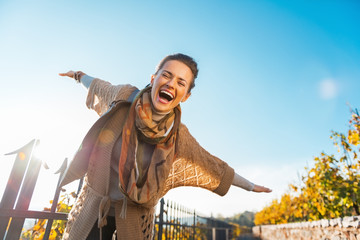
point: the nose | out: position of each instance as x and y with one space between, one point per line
171 83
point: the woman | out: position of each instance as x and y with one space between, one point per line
137 151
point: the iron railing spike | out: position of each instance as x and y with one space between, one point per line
62 167
45 165
19 150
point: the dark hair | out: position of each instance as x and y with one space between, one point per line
188 61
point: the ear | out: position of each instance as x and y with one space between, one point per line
186 97
152 79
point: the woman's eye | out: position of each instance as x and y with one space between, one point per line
166 75
182 84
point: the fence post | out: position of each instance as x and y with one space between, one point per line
161 218
24 198
55 199
227 234
16 176
194 225
213 233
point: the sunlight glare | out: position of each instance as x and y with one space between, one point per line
328 89
45 153
22 156
106 136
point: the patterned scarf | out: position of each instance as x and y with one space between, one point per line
140 181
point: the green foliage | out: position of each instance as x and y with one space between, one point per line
330 188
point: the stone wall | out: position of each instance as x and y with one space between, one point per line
347 228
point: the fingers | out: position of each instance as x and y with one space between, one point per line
267 190
67 74
258 188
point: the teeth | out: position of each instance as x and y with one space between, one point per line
167 93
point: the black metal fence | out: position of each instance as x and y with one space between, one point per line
177 222
172 221
19 190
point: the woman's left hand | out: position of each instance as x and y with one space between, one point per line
258 188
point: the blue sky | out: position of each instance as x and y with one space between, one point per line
275 78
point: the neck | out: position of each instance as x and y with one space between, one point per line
156 116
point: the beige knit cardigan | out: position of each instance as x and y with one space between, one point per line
193 166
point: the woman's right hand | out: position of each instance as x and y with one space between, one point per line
73 74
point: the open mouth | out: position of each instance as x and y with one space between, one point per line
166 95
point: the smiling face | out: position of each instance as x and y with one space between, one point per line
170 86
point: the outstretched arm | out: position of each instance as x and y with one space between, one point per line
100 93
79 77
241 182
196 167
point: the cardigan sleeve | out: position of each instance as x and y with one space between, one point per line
86 81
194 166
102 93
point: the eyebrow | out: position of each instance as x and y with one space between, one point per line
181 79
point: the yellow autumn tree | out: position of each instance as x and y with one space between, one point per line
57 229
329 189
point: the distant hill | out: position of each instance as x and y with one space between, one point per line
243 219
